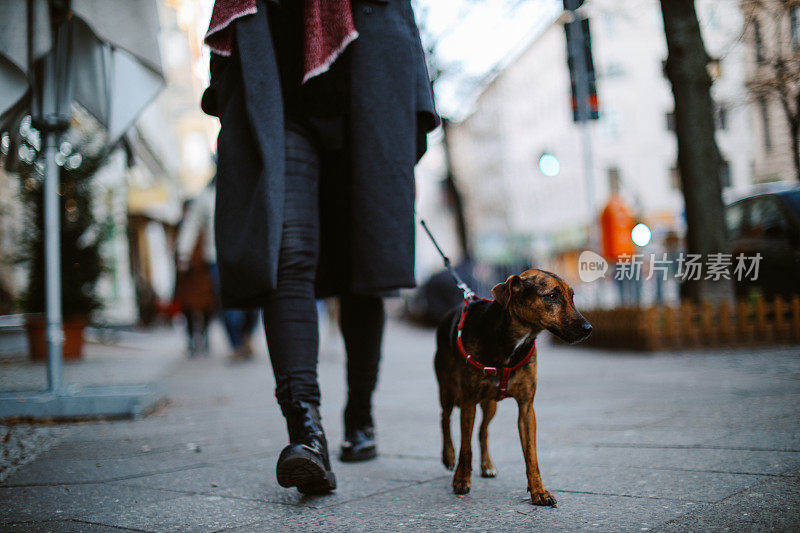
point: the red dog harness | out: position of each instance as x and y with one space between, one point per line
504 372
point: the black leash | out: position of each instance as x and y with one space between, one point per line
469 294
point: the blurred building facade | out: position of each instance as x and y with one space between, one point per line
138 194
524 112
172 149
772 35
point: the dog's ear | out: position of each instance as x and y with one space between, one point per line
502 291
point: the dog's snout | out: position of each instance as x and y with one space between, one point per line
577 331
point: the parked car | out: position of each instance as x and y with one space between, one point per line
768 224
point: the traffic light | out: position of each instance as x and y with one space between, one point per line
581 69
572 5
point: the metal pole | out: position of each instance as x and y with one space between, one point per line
588 169
51 109
593 227
577 51
52 262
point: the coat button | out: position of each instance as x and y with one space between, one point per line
367 10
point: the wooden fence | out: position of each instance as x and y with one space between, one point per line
695 326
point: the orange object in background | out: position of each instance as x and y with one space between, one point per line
616 223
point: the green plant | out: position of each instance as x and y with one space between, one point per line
81 233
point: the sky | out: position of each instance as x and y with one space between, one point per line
473 37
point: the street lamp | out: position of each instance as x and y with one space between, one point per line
549 165
51 101
641 235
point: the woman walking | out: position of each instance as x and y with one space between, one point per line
324 107
195 260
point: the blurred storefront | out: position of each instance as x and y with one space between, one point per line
174 155
139 192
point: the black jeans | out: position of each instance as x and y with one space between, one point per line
290 317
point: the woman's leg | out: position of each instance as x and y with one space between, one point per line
290 323
362 321
290 317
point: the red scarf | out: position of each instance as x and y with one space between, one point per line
328 30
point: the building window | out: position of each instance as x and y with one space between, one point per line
610 22
712 20
609 119
614 182
714 68
614 70
675 177
794 21
721 117
758 41
670 121
725 173
764 108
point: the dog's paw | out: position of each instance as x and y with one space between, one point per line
543 498
488 471
448 459
461 486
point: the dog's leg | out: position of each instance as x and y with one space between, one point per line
489 408
527 436
448 453
461 479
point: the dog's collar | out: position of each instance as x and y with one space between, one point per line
505 371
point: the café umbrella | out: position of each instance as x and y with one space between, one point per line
102 54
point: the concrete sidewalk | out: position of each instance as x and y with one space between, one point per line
702 441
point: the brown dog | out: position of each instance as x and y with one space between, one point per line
498 335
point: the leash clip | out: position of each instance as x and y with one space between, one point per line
469 294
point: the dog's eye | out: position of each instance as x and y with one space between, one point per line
553 296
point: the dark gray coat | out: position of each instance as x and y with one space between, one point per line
389 113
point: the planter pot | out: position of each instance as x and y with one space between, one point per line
37 337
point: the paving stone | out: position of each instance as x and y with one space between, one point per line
189 513
66 471
61 526
254 479
432 507
689 441
773 505
718 460
28 504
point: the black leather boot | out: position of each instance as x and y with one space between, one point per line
359 445
304 462
359 431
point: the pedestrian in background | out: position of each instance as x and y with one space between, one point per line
239 326
324 107
616 223
196 258
198 272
